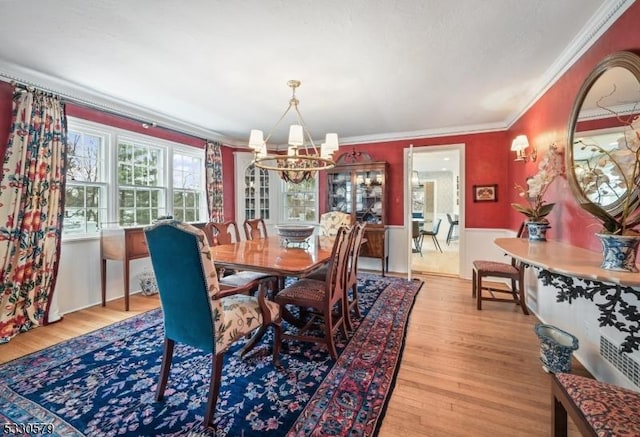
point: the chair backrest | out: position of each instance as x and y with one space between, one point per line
222 233
255 229
354 253
436 226
187 282
335 279
331 221
449 219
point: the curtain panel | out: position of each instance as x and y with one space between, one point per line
31 210
213 170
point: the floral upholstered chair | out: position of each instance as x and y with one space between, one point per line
197 310
331 221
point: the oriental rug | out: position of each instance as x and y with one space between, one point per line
103 383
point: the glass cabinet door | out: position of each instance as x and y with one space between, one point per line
368 197
340 187
256 193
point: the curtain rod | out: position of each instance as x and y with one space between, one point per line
67 98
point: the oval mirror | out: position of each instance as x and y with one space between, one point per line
607 103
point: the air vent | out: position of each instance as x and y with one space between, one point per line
620 360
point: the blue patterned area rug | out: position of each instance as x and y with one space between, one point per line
103 383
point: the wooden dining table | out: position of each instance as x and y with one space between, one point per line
271 255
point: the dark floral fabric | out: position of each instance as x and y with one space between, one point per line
31 210
609 409
213 175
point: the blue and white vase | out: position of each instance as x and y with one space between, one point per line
619 252
537 231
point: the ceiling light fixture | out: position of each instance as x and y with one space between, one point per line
303 158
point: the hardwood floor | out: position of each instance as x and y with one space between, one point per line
464 372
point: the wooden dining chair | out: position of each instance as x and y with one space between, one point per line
323 299
514 271
222 233
197 310
255 229
351 274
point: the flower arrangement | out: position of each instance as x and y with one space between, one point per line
550 167
611 178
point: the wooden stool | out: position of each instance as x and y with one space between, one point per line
597 408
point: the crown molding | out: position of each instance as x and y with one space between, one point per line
427 133
608 13
10 72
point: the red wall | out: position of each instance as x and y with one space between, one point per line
485 163
548 121
6 94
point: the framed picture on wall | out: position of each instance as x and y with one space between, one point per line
485 193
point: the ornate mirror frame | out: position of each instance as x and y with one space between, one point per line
626 60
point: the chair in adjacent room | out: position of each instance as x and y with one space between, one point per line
331 221
321 300
417 237
433 233
452 224
255 229
197 310
514 271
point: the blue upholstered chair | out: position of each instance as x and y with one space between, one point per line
197 310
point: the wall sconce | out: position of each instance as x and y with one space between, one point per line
519 145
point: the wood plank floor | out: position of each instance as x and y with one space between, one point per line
464 372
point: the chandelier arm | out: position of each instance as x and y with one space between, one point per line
277 123
306 131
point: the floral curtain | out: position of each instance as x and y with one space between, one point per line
31 210
213 169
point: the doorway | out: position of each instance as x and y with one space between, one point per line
437 180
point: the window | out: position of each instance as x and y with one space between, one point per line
121 178
300 201
141 188
188 197
85 193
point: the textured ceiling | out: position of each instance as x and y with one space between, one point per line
370 69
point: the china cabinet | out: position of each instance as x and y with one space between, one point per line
357 186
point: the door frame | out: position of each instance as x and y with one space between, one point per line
460 148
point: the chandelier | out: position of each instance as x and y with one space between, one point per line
303 158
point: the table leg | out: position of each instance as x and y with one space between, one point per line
103 279
126 285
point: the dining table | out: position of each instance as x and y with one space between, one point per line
274 255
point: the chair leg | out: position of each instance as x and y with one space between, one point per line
479 291
214 389
346 313
449 234
277 341
473 282
354 302
436 244
328 335
165 368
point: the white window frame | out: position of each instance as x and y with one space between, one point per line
110 185
315 194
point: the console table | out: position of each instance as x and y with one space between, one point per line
560 265
122 244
